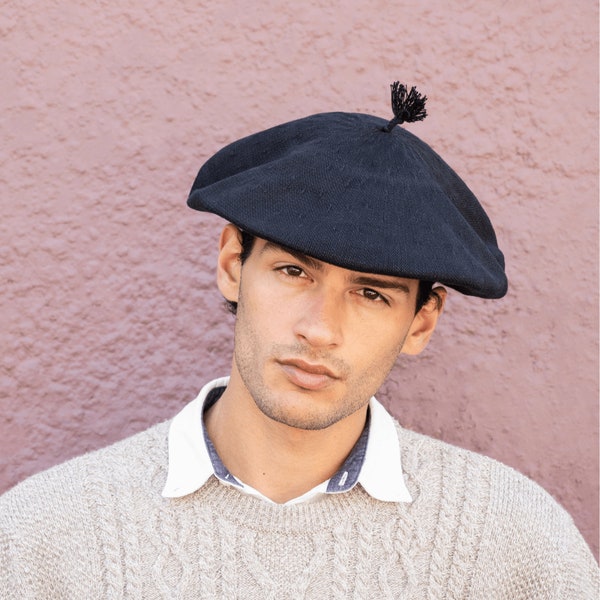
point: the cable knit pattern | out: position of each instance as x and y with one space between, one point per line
97 527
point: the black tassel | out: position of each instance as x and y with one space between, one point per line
408 107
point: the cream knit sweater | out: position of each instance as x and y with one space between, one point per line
97 527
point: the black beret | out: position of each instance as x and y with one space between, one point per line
341 188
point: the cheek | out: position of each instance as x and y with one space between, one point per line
379 346
261 318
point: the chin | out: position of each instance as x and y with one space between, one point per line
300 413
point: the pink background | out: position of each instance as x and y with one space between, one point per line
110 319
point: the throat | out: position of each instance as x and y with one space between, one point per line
280 462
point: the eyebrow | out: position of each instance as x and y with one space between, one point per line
388 284
358 279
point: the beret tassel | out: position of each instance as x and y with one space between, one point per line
408 106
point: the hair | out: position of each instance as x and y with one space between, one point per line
424 293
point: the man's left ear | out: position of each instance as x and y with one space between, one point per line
424 322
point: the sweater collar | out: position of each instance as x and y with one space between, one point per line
374 462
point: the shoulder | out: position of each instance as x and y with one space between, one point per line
506 495
62 516
508 492
126 460
518 535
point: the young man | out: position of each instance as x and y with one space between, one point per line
288 479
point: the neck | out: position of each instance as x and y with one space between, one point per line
280 461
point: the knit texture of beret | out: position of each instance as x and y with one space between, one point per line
342 188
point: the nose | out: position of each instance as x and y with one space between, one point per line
319 323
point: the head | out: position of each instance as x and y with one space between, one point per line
346 223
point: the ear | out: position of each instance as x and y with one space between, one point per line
229 265
424 322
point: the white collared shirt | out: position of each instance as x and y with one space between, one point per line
190 463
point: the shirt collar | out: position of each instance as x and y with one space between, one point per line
374 462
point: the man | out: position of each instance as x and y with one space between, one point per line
288 479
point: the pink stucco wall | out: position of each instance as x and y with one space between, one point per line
109 316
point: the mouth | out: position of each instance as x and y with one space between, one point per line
307 376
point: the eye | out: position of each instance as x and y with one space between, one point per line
292 271
372 295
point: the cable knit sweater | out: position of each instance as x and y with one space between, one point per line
97 527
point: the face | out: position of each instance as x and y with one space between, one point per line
313 341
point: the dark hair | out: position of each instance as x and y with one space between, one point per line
247 240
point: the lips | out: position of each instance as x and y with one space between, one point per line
306 375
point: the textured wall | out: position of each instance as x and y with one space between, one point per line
110 319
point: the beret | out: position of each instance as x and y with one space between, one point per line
342 188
